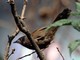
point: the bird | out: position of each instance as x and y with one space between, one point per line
42 37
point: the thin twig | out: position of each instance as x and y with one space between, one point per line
11 37
13 50
6 52
23 10
20 24
22 18
26 55
14 34
60 53
8 48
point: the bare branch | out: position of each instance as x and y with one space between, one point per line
60 53
26 55
13 50
22 28
14 34
6 52
11 37
23 10
22 17
8 48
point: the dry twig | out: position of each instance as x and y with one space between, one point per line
23 10
6 57
20 24
60 53
11 37
13 50
7 52
26 55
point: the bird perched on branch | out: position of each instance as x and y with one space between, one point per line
41 36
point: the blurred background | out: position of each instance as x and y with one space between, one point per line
36 18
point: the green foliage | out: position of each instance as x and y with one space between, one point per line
75 13
75 23
73 45
78 6
60 23
1 58
78 10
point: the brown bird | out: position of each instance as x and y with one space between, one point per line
41 36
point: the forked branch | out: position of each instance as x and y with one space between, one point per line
20 24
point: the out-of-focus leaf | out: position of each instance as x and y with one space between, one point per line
75 13
1 58
73 45
76 24
78 6
60 23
